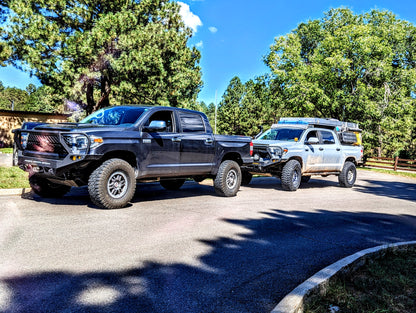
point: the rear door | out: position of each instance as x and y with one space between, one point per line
313 155
332 155
197 144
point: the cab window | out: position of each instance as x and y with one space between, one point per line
191 123
165 116
327 138
311 134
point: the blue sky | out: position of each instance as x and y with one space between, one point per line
234 35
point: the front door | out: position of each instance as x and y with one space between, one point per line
160 150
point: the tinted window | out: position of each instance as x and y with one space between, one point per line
192 123
327 138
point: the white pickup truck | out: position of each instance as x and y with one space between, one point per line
297 148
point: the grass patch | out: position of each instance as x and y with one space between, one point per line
6 150
13 177
391 172
387 284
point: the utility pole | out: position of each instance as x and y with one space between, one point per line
215 124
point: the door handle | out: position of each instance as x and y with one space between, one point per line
209 141
321 149
338 149
176 139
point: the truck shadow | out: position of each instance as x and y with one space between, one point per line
274 183
250 273
145 192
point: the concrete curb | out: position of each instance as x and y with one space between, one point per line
14 192
294 301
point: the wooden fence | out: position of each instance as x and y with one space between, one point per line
394 164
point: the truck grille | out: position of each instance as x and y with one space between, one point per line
262 152
45 143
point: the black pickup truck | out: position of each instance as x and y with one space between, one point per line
114 147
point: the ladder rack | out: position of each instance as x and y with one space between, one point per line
328 123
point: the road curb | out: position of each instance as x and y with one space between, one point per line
14 192
294 301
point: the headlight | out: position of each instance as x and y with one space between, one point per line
77 143
23 139
275 152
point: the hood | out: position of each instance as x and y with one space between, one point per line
75 127
279 143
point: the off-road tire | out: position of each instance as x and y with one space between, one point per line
228 179
172 184
44 188
305 179
246 178
348 175
112 185
291 175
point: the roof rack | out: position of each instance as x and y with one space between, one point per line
328 123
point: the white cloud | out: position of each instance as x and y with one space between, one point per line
191 20
213 29
200 45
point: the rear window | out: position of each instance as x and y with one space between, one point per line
327 138
192 123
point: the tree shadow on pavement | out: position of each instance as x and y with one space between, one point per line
391 189
250 272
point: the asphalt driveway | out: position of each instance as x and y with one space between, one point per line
189 250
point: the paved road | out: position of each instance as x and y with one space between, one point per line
189 250
6 159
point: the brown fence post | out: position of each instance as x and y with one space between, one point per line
396 160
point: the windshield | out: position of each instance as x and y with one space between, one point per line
283 134
117 116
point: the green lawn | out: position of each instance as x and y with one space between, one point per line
6 150
13 177
387 284
391 172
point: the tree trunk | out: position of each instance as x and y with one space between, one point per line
90 99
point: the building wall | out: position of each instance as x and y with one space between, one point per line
10 120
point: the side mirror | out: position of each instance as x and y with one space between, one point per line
156 126
313 141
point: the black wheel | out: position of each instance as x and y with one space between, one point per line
291 175
305 179
15 155
246 178
172 184
44 188
112 185
348 175
228 179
